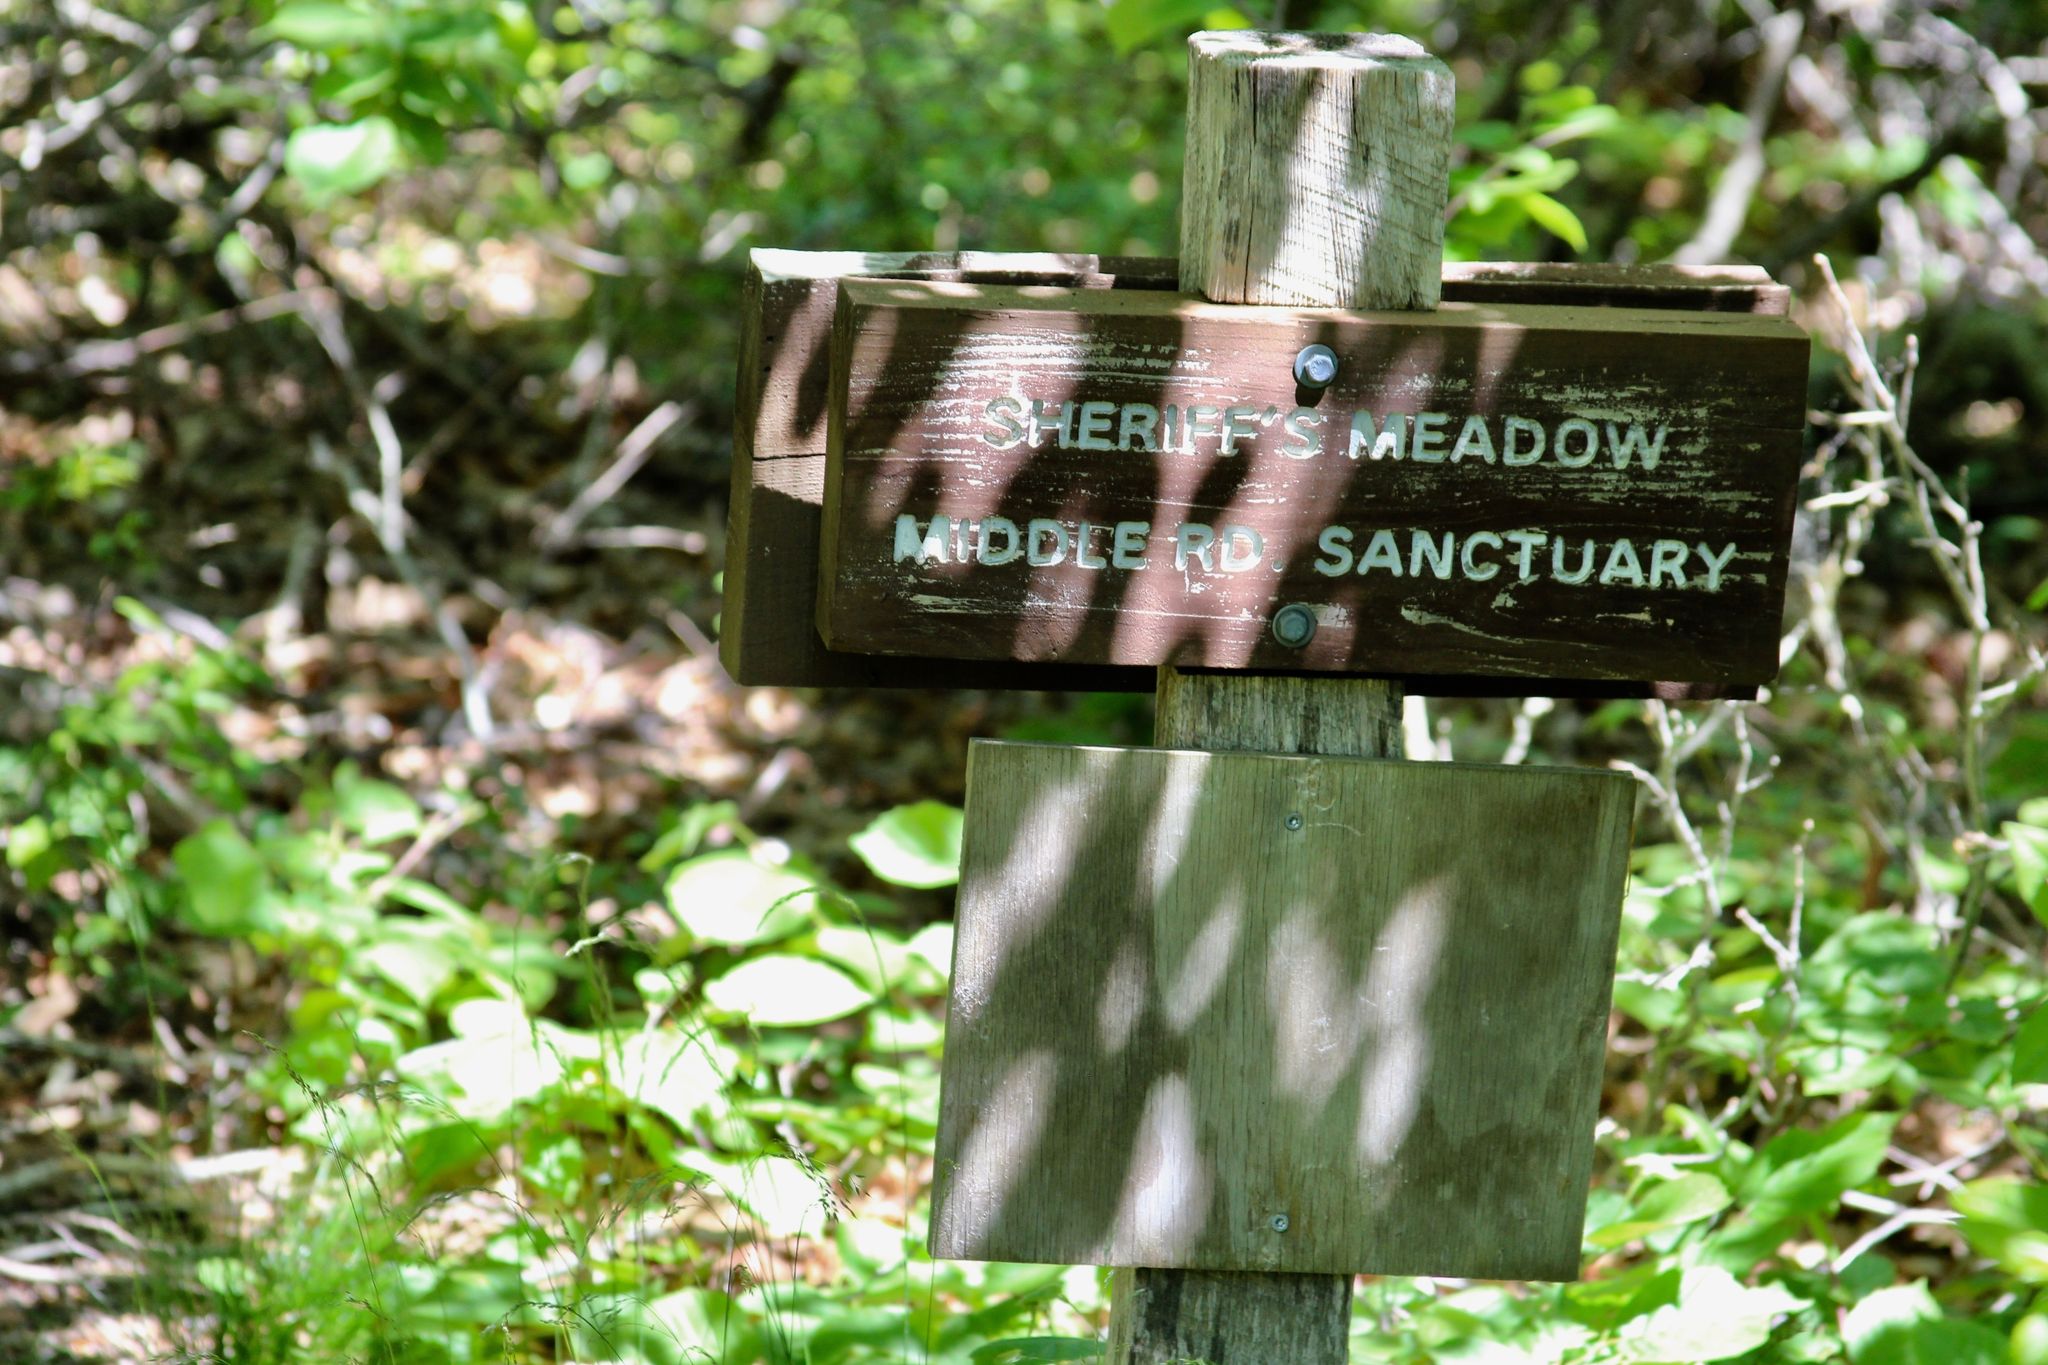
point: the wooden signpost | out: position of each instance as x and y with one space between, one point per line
1261 1009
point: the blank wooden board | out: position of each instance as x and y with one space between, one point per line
1287 1013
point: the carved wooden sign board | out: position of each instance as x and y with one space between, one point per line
1056 475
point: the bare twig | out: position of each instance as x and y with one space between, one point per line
1728 209
633 452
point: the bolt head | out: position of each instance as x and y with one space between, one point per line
1294 625
1279 1222
1293 821
1315 367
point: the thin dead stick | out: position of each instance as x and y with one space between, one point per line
1729 207
100 357
633 453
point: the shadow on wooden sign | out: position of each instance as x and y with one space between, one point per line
1292 1013
771 571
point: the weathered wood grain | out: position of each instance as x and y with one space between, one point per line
1292 1013
1171 1317
1235 1317
1227 1317
1665 436
767 634
1316 169
1698 288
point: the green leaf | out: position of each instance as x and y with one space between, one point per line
2030 1050
411 960
1134 23
916 845
2007 1220
28 841
2030 865
1713 1317
341 158
780 991
1800 1173
322 25
678 1075
432 900
378 811
1878 953
785 1198
729 898
875 958
682 839
1674 1203
1903 1325
1555 219
227 887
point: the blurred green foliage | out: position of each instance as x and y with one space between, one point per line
501 1057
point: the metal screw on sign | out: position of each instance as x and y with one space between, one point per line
1279 1222
1292 821
1294 625
1315 367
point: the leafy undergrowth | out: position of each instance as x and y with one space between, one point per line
691 1118
419 952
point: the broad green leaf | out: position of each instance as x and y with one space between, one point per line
934 943
1554 218
411 961
1134 23
498 1059
916 845
673 1073
1903 1325
341 158
874 957
729 898
1674 1203
431 899
378 811
2007 1220
1878 953
2030 865
1835 1067
2030 1050
2030 1340
780 991
1714 1317
28 841
227 887
681 839
321 25
1801 1172
783 1197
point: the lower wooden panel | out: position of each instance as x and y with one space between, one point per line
1285 1013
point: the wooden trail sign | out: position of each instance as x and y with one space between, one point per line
1103 477
767 632
1246 1023
1246 1011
